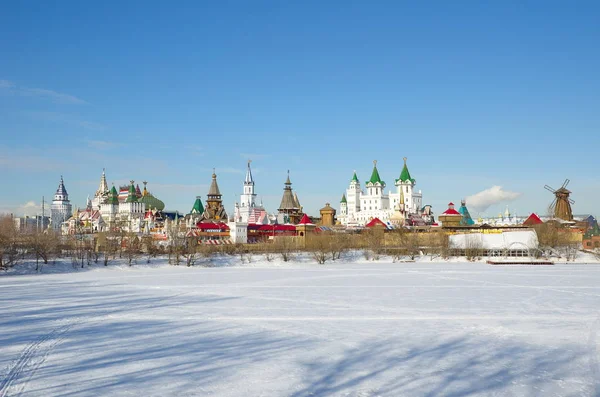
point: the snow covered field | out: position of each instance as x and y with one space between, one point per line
343 329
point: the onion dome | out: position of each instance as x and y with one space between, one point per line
152 202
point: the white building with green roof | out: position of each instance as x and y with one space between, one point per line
358 206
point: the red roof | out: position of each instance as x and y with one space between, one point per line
271 228
451 211
305 220
450 203
374 222
533 219
211 226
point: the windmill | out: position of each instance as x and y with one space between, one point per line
561 205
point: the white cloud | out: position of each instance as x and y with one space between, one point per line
54 96
488 197
30 208
57 117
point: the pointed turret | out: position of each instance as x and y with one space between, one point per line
343 200
198 208
214 206
61 193
103 187
213 191
138 192
113 196
405 175
290 208
375 179
249 180
288 202
355 178
131 196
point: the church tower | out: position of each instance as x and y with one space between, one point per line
102 193
289 208
353 198
61 206
110 208
248 198
214 210
406 185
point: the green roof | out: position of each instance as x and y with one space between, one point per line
198 208
152 202
405 175
113 196
132 196
375 176
343 199
354 177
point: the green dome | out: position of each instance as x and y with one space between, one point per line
152 202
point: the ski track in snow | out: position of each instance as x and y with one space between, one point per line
30 360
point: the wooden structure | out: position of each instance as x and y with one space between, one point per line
561 205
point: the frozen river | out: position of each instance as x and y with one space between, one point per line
377 329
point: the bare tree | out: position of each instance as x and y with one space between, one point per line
44 245
10 240
338 243
190 251
133 248
473 247
285 247
319 247
374 238
150 248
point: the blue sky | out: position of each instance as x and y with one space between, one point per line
476 95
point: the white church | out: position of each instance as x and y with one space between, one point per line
358 207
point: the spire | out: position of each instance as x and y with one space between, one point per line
288 202
343 200
138 192
249 180
375 175
132 196
61 187
103 187
61 192
145 192
214 187
354 177
287 181
405 175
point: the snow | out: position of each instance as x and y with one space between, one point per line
523 239
350 328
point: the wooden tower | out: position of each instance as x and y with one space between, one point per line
561 205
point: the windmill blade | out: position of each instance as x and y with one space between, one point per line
549 188
571 201
552 206
566 182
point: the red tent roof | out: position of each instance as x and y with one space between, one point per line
305 220
451 211
533 219
374 222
